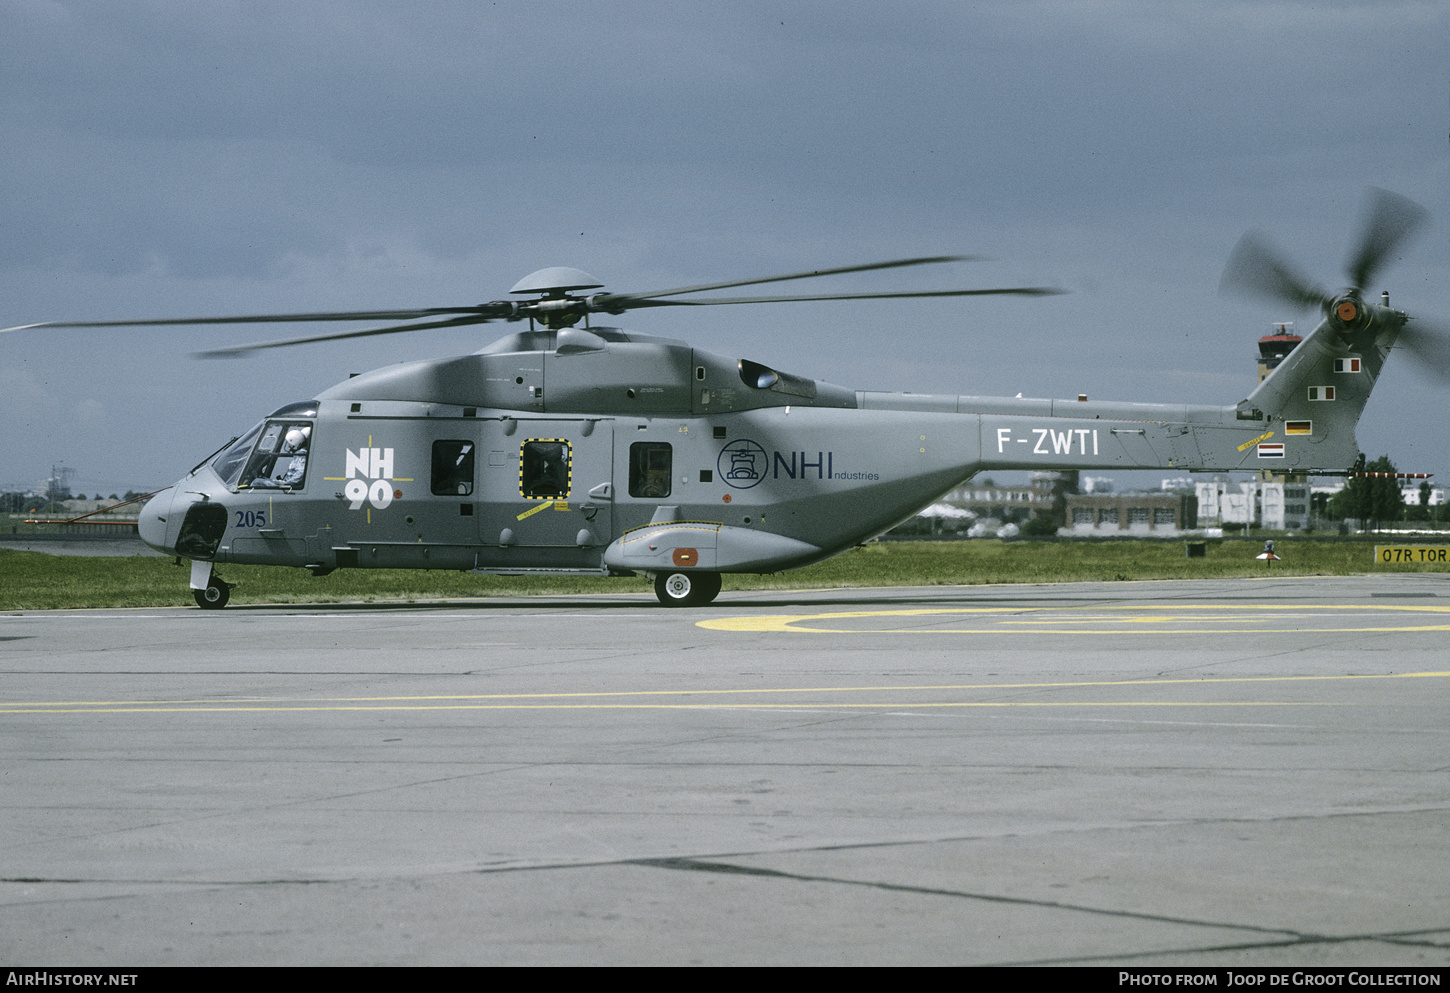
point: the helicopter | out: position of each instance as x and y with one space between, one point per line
598 450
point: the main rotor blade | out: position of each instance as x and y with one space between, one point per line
238 351
1255 266
1429 344
485 310
1021 291
1390 219
812 274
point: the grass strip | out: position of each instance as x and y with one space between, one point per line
38 581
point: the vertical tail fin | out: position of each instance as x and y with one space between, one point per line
1319 390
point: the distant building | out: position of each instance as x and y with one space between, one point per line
1051 494
1145 512
1001 502
1284 506
1041 497
1411 494
1280 505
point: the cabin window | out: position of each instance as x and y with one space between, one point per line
453 468
544 468
279 460
650 468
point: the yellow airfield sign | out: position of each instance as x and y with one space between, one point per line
1411 554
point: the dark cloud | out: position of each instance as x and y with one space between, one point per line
178 157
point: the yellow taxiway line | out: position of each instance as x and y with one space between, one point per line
825 697
1206 618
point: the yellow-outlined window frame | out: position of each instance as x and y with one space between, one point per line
568 467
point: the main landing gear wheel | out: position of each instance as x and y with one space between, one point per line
218 591
687 589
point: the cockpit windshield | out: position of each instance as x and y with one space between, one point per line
229 463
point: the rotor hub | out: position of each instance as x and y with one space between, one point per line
556 281
1348 312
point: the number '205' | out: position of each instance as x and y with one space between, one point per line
251 518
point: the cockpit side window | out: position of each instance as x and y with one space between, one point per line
279 460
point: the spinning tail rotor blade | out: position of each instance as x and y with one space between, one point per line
1429 344
1390 219
1258 268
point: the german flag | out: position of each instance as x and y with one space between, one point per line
1298 427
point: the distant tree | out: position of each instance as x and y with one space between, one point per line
1039 526
1422 510
1368 500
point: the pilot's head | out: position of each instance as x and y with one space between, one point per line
295 441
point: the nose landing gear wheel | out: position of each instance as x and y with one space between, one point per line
687 589
218 591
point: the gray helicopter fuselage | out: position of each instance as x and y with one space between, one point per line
611 452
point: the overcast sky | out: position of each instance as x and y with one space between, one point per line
187 158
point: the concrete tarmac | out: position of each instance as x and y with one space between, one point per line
90 544
1236 773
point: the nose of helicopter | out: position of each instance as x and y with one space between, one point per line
151 525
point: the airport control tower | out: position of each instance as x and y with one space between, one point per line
1279 342
1285 496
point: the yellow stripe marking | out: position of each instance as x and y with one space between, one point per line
642 699
543 506
1263 437
805 705
799 623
